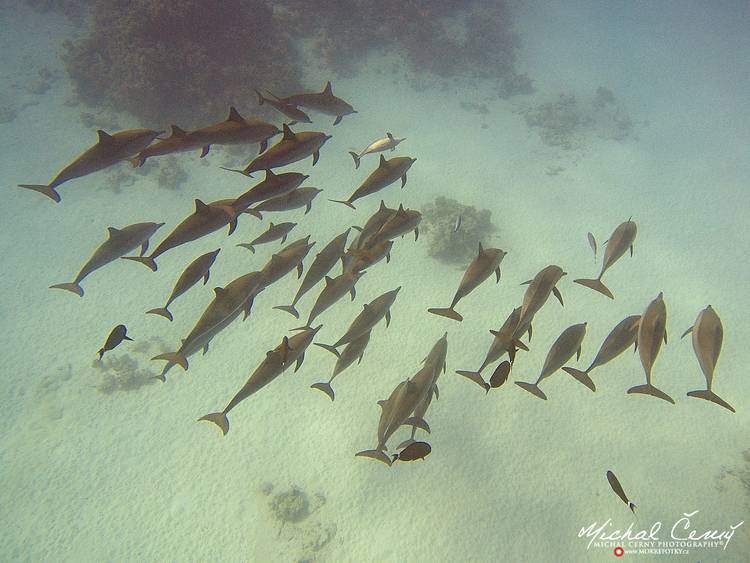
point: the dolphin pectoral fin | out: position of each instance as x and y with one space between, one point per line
300 269
205 348
49 191
578 354
173 358
316 156
388 318
338 119
403 181
355 156
581 377
308 207
219 419
300 361
497 274
161 311
665 336
520 345
325 387
688 331
375 454
631 250
417 422
527 282
557 294
476 377
446 312
708 395
204 150
232 226
416 234
532 388
144 247
72 287
596 285
263 146
649 389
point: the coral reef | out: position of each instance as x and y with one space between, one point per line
172 174
445 245
74 10
179 62
568 121
123 372
740 474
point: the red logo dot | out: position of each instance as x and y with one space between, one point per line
619 552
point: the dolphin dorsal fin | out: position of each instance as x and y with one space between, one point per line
219 291
113 232
270 174
270 226
178 132
480 249
234 115
390 137
329 280
200 206
382 160
382 403
288 133
401 208
382 205
328 91
104 137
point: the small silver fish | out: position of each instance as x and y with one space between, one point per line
457 224
592 243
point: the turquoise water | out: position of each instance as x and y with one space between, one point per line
101 462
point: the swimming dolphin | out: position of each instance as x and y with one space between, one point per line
274 232
389 142
619 242
291 111
387 172
324 102
299 197
291 148
652 330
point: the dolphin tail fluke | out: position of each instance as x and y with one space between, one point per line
347 203
49 191
219 419
247 245
291 309
532 388
147 261
476 377
173 358
596 285
447 312
254 213
581 377
355 156
72 287
330 348
649 389
162 312
632 507
708 395
380 455
417 422
325 387
261 99
405 443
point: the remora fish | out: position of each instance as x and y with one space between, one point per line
286 260
617 488
592 243
502 342
652 330
536 295
389 142
620 339
291 148
708 335
566 345
290 350
118 334
387 172
291 111
108 150
179 140
205 220
274 232
334 290
324 102
119 243
299 197
198 268
324 261
621 239
228 303
352 351
370 315
481 268
274 185
235 130
413 451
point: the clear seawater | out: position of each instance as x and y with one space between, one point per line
102 463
